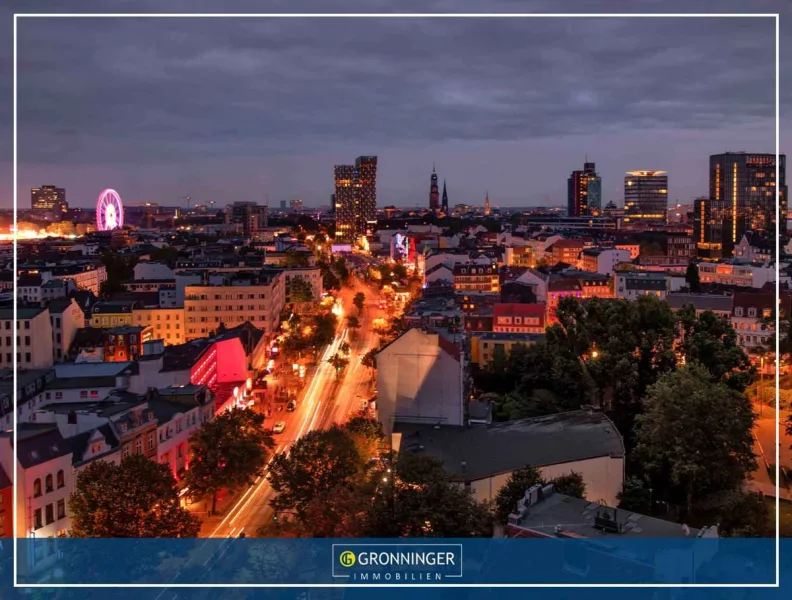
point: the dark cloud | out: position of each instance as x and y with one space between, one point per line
231 105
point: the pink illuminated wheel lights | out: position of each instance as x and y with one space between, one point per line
109 211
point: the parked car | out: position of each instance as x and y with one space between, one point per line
291 406
279 427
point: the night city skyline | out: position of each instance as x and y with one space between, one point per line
230 110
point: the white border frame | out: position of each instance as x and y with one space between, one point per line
775 16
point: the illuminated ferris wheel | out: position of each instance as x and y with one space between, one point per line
109 211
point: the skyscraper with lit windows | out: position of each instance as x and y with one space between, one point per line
742 198
646 197
48 198
584 192
356 198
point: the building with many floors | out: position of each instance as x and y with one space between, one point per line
476 278
234 299
167 324
645 198
33 330
356 198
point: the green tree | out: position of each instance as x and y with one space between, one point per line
339 363
692 278
695 436
570 484
636 496
138 499
513 490
294 259
323 330
367 435
340 268
711 340
359 301
370 359
320 461
227 452
353 322
299 290
747 516
417 499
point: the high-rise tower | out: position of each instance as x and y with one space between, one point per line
742 191
48 198
584 192
445 198
356 198
434 194
646 197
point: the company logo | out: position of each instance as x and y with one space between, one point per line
399 563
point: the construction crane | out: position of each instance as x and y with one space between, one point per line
189 199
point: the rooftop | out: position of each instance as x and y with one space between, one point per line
22 313
701 301
38 444
504 447
558 515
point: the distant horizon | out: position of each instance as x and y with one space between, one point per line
245 109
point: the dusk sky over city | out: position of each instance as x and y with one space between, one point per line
298 284
245 109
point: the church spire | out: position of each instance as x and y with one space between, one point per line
445 198
487 205
434 195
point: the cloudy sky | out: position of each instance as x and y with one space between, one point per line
248 109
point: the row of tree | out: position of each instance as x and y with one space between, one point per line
672 382
340 482
141 498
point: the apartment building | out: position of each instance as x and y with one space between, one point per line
33 331
167 324
235 298
519 318
180 412
112 313
752 319
66 318
566 251
44 483
86 276
733 273
476 278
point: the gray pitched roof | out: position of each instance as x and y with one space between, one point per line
39 444
504 447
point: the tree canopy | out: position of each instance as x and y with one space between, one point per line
138 499
299 290
227 452
320 461
337 483
635 344
695 435
359 301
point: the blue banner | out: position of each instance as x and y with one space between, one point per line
396 562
